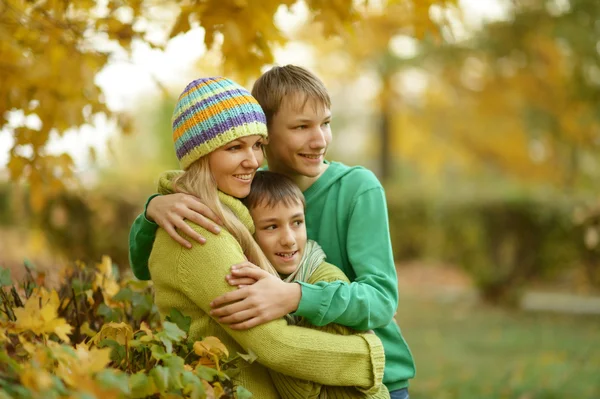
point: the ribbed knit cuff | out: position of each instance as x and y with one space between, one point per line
310 303
146 209
377 361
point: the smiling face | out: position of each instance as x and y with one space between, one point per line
233 166
299 134
281 234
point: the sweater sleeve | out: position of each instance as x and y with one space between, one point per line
356 360
370 301
141 239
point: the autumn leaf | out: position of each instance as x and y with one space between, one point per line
38 380
212 346
40 315
119 332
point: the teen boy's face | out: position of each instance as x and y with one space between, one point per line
299 135
281 234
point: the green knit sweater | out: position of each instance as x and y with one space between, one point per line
189 279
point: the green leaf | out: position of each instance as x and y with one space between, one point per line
29 265
142 305
183 322
243 393
142 386
124 295
80 286
108 313
5 280
250 357
111 378
170 333
173 332
158 352
167 343
206 373
117 354
192 386
160 375
175 366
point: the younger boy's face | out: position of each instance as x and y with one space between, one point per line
281 234
299 135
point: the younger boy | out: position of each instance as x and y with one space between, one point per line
276 205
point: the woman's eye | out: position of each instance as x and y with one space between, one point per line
327 123
258 145
301 127
271 227
233 148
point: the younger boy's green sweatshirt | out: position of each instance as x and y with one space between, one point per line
346 213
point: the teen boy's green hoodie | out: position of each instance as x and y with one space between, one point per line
346 213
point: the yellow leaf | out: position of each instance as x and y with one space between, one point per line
90 297
211 346
144 327
85 329
41 321
120 332
36 379
218 390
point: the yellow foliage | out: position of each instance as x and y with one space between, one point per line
40 315
57 44
36 379
105 279
86 362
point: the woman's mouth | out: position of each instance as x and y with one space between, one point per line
247 178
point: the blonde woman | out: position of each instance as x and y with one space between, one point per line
219 130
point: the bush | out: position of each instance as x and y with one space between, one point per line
504 243
78 341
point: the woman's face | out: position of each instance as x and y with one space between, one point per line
234 165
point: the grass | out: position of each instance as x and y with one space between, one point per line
467 350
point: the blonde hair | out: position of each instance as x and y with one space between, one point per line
280 82
199 181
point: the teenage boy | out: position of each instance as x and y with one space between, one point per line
346 214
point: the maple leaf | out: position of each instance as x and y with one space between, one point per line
40 315
119 332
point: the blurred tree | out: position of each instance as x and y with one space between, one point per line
521 97
50 52
369 49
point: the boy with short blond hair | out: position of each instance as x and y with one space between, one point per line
346 213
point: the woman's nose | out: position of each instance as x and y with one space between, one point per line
251 160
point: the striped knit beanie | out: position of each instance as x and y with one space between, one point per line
210 113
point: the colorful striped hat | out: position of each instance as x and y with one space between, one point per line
210 113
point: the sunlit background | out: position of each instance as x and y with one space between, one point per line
485 134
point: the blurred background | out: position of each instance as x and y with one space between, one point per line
480 117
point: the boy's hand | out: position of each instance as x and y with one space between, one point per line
252 305
170 212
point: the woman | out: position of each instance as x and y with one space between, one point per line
219 129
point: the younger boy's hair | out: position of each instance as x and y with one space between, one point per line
279 82
270 189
